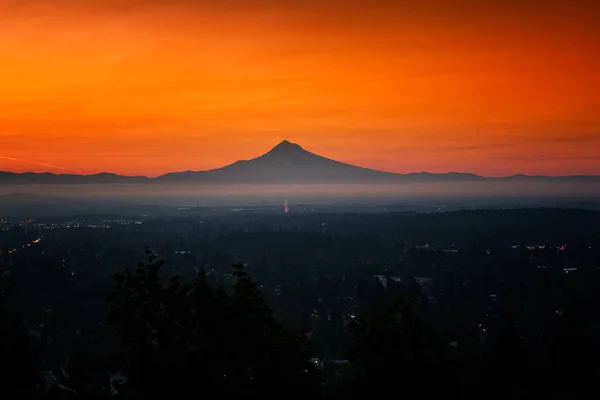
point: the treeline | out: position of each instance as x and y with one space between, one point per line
179 339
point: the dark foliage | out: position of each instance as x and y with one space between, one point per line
503 305
180 337
19 356
396 352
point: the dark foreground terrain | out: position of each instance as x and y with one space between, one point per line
499 304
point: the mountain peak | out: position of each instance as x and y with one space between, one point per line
286 149
286 145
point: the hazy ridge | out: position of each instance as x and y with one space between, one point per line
286 163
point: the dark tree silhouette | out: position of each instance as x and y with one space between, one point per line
396 354
195 338
19 357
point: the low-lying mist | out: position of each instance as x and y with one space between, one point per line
176 194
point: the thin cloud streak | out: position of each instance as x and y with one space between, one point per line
42 164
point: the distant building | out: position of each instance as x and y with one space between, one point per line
425 283
382 279
323 228
536 247
317 363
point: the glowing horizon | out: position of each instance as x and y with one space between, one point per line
138 87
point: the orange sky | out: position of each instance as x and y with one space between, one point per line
147 87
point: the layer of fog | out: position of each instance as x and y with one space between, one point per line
172 194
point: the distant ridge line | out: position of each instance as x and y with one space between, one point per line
286 163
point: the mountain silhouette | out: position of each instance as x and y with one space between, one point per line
286 163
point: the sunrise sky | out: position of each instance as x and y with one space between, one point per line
148 87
